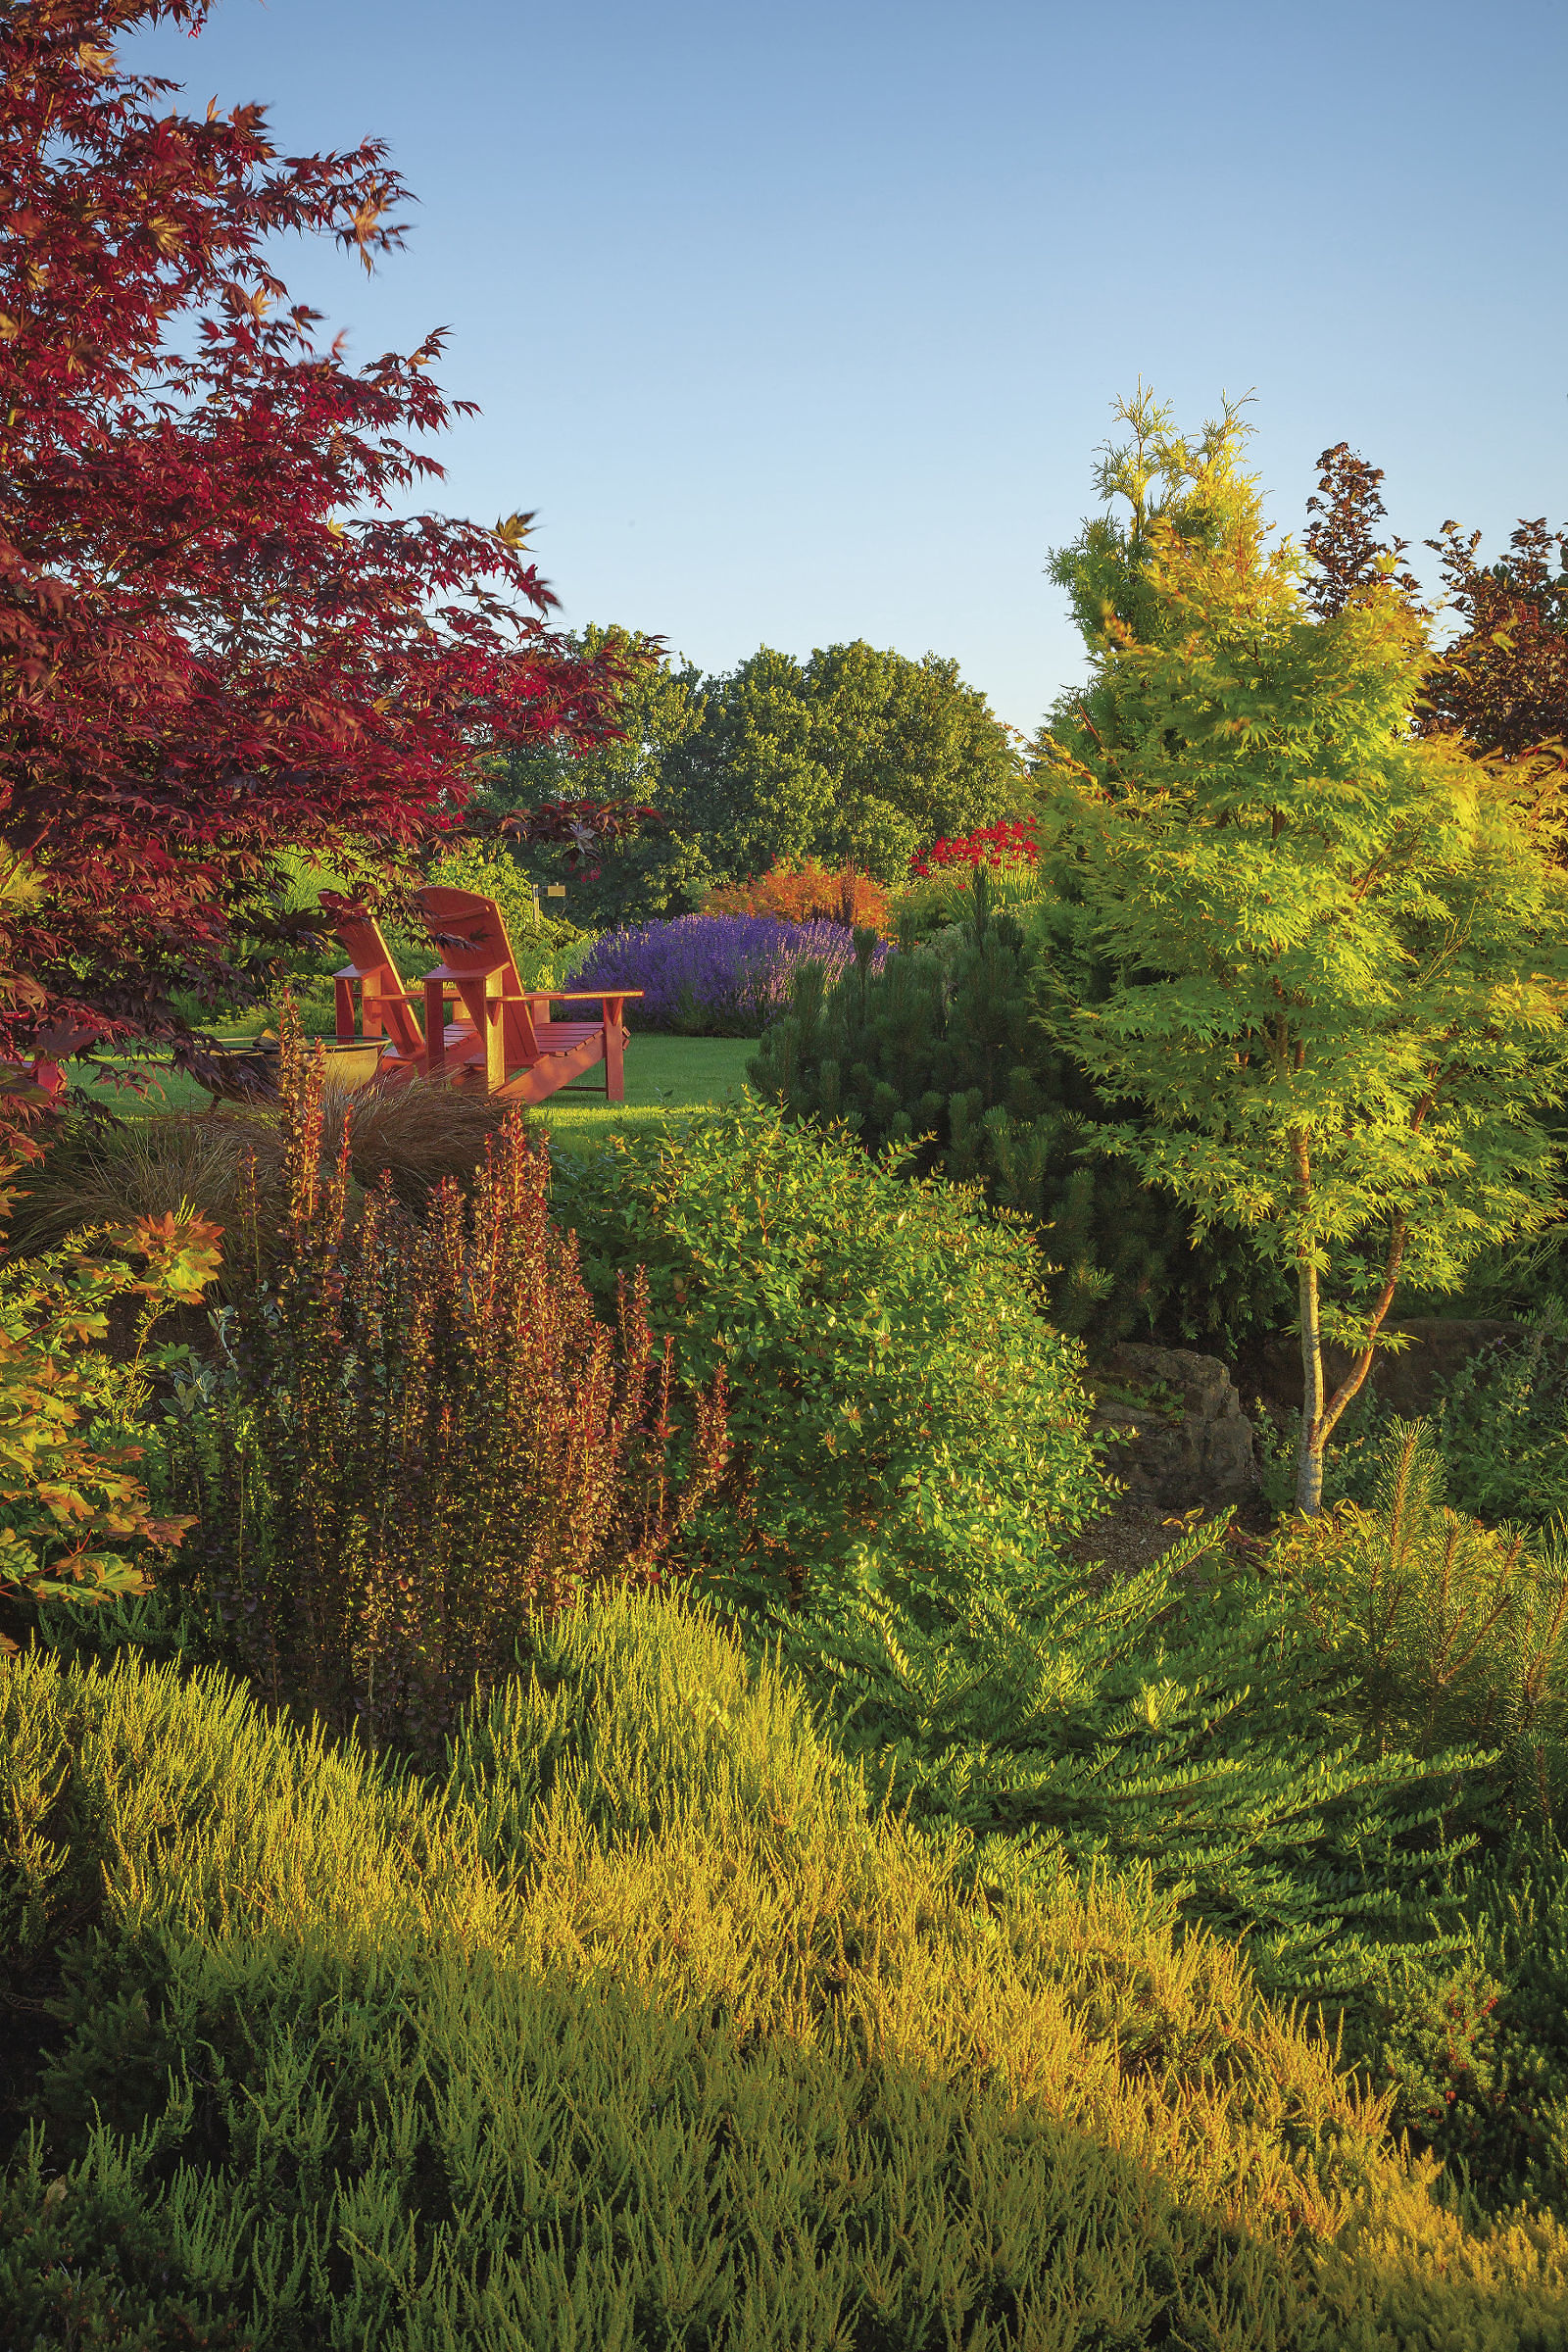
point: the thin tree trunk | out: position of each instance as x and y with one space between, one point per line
1310 1451
1320 1416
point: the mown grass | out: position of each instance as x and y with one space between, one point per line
666 1077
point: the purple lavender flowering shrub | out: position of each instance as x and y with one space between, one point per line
712 975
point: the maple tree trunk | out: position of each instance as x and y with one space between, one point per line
1320 1416
1310 1451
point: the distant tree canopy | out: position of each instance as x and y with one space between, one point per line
857 755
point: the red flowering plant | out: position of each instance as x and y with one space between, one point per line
1010 841
939 890
219 639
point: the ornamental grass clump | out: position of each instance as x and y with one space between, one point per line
228 1165
422 1439
715 975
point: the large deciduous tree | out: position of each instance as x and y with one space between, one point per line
859 756
1333 953
219 636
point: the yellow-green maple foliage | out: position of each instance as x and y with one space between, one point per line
1336 952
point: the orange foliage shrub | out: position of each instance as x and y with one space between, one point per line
802 893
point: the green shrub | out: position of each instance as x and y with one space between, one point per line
890 1377
947 1051
420 1437
1502 1426
1177 1721
78 1526
1471 2048
641 2033
1453 1631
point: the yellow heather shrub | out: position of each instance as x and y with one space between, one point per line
640 2029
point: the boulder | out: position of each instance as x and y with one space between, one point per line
1408 1382
1188 1441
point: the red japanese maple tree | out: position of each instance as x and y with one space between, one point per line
219 637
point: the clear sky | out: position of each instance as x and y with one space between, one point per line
801 323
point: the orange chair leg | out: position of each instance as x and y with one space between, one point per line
614 1049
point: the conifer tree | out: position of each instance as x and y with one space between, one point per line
1340 951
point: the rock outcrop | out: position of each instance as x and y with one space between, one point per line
1187 1440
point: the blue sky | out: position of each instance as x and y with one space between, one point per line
801 323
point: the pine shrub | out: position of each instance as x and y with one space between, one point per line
947 1052
640 2031
422 1437
1453 1630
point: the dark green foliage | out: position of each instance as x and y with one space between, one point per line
640 2034
91 2263
1503 1427
949 1049
890 1380
1474 2048
1177 1720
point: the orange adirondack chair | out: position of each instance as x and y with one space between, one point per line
505 1034
385 1005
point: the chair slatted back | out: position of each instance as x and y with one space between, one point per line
469 933
384 1003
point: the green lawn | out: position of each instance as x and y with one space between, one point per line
665 1076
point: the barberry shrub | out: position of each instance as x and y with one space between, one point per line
425 1440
